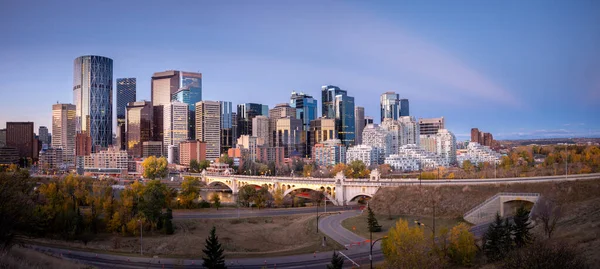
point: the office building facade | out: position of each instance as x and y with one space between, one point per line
329 153
191 150
245 113
208 127
391 106
19 135
431 126
64 126
44 136
139 126
227 130
336 104
359 123
175 122
260 128
92 96
2 138
126 93
321 129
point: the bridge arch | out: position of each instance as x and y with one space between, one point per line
227 182
330 197
354 196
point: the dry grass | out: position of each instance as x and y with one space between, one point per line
19 257
359 225
246 237
579 225
455 200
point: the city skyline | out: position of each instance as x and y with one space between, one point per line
455 69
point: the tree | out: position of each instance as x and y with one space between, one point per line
337 261
154 167
372 221
497 241
307 170
169 222
467 166
544 255
384 170
225 159
278 197
216 199
261 196
521 227
462 245
203 165
357 169
194 166
190 190
16 206
406 247
153 201
213 252
246 194
548 212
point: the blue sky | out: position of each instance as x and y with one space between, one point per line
518 69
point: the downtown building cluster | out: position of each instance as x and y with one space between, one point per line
179 124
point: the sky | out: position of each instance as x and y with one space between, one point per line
517 69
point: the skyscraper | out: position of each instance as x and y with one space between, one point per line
260 128
176 128
208 127
2 138
431 126
321 129
126 93
43 135
288 134
306 111
392 106
92 95
279 111
19 135
185 87
245 113
336 104
139 126
64 125
359 123
227 131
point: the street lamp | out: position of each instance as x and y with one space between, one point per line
372 244
424 225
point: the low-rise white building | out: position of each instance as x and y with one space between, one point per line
477 153
424 159
402 163
367 154
110 161
446 145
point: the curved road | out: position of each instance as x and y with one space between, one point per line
247 213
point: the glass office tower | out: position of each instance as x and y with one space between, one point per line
245 113
336 104
126 93
392 106
306 111
227 131
92 95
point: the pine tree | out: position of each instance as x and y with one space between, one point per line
520 229
337 261
497 239
168 222
213 252
372 221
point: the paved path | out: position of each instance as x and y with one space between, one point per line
246 213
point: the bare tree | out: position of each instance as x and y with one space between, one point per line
548 212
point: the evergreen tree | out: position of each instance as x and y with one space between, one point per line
168 222
497 240
520 229
337 261
213 252
372 221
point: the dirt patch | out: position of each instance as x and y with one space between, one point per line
19 257
245 237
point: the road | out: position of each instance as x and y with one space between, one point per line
330 225
246 213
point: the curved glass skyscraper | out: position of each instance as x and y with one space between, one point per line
92 96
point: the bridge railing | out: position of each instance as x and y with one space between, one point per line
481 204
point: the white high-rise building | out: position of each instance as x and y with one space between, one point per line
377 137
260 127
329 152
410 131
208 127
367 154
395 129
446 145
175 122
64 124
